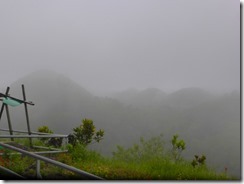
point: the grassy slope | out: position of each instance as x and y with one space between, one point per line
154 169
128 166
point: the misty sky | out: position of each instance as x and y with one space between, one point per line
112 45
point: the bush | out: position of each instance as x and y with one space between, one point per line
178 147
86 133
146 150
80 153
44 129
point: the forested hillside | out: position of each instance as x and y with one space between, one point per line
209 123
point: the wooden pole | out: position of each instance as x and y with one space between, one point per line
2 108
26 114
8 116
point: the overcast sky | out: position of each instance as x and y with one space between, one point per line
112 45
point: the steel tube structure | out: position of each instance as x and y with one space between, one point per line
86 175
23 131
42 147
11 172
34 136
40 152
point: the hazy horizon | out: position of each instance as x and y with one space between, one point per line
50 75
108 46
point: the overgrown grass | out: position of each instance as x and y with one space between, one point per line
147 160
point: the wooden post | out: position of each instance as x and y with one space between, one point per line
2 108
26 114
8 116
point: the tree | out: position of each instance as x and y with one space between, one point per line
86 133
178 147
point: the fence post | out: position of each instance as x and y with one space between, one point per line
26 114
38 165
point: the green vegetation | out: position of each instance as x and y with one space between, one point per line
56 142
198 160
178 147
86 133
208 123
147 160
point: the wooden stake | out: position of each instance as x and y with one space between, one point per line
26 114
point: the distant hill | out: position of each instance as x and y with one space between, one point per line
148 97
152 97
209 123
188 97
57 100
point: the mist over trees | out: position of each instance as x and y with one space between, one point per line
209 123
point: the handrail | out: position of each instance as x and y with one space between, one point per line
11 172
22 131
56 163
34 136
47 148
40 152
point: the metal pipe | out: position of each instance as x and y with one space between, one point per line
16 99
11 172
48 148
9 122
33 136
56 163
23 131
38 167
39 152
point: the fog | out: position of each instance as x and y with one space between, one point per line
108 46
135 67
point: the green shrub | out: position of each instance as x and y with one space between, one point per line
86 133
198 160
44 129
178 147
80 153
145 150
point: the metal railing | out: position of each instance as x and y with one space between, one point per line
34 136
84 174
23 131
37 135
14 174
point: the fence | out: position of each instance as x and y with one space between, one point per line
83 174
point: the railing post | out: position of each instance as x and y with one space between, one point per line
26 114
9 122
38 166
8 116
65 141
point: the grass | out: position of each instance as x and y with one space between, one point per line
158 169
135 163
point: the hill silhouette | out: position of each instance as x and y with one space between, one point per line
209 123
